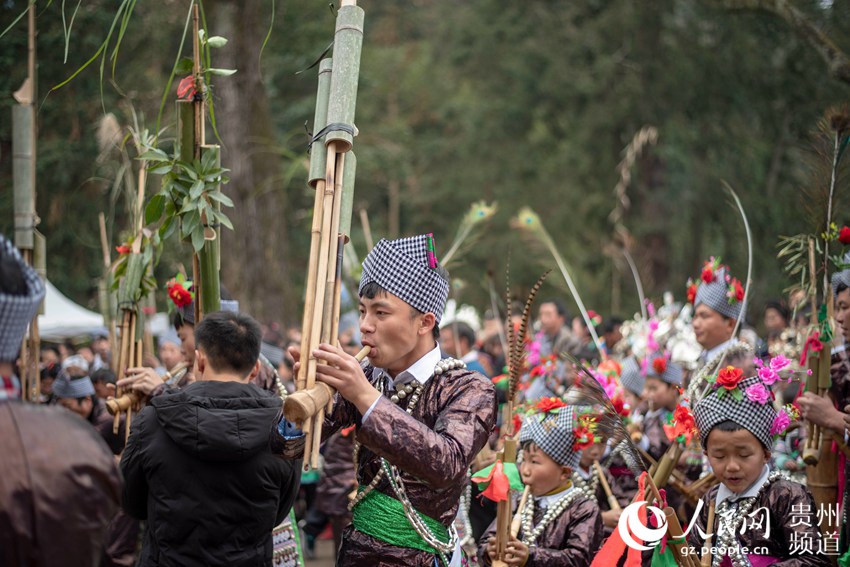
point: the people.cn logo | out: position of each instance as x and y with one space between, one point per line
630 524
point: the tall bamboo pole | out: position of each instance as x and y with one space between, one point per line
24 127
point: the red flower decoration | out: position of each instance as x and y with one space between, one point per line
692 293
583 438
178 294
683 425
517 422
620 406
729 377
186 88
844 235
738 289
659 364
549 404
123 249
707 273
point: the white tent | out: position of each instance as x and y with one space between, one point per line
64 319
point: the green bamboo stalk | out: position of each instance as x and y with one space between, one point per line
348 43
23 172
318 150
210 255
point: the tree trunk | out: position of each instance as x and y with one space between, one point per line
254 265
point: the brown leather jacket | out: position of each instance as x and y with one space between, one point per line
59 487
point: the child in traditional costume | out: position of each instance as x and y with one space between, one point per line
560 525
760 517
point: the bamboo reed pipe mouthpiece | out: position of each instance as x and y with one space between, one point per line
121 404
517 521
300 406
612 500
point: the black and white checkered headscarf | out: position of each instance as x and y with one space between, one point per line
672 373
713 294
16 311
754 417
842 277
553 435
631 377
401 267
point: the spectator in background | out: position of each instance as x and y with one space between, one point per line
458 339
776 319
101 379
102 352
170 354
610 331
554 336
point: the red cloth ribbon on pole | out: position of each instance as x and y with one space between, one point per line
500 484
812 342
611 552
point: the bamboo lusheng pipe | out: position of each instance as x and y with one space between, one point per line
705 558
304 404
613 503
663 469
811 449
133 398
675 540
517 521
503 508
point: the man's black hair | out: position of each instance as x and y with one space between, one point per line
373 289
461 330
610 324
560 307
231 341
105 375
840 287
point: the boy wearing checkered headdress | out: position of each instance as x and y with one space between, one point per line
59 484
760 517
560 525
718 299
420 418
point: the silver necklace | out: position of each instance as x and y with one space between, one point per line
587 487
529 533
730 517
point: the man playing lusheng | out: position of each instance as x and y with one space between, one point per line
197 465
420 419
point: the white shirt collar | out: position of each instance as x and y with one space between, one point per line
584 475
724 493
549 499
707 355
421 370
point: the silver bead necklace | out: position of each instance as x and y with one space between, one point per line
587 487
529 533
730 517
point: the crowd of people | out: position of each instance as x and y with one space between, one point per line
210 471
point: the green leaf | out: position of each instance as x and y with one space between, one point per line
155 208
216 41
191 221
207 161
222 218
737 394
221 198
184 66
221 72
197 189
154 154
160 169
198 240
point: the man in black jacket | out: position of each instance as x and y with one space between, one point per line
197 466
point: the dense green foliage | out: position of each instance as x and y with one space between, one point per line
526 103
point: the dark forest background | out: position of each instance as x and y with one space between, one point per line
523 103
